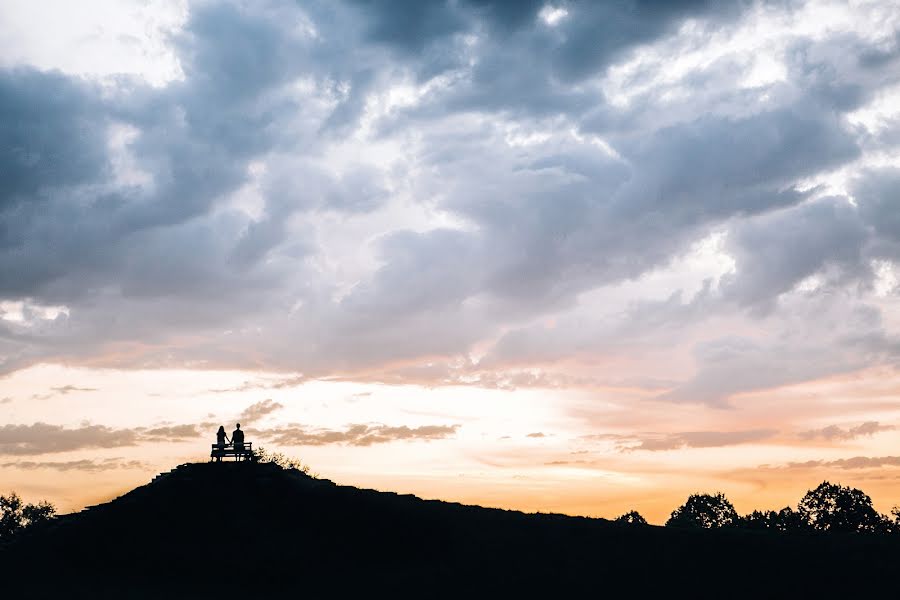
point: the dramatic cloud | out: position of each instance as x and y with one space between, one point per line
327 190
356 435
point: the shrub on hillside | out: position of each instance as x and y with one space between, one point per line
284 461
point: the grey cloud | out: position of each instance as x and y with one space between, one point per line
439 258
542 223
821 334
682 180
844 70
356 435
491 376
777 251
168 433
55 143
84 465
194 154
857 462
421 22
833 432
258 410
715 168
877 196
68 389
359 190
597 32
731 366
61 391
43 438
276 384
195 138
53 137
694 439
592 34
508 36
663 322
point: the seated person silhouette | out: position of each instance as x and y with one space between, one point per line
237 439
221 441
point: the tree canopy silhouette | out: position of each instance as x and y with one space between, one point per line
632 517
786 519
704 511
833 507
16 515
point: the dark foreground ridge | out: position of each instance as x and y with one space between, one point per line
222 530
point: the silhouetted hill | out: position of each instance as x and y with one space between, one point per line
216 530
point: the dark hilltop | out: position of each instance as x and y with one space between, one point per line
248 530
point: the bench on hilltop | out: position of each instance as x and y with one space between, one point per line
240 452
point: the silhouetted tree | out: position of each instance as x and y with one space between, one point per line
785 519
15 515
632 517
833 507
704 511
895 521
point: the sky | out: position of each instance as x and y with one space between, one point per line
581 257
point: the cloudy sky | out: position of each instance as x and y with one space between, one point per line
572 256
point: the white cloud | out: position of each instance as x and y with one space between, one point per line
95 37
551 15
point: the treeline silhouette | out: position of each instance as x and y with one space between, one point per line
827 507
214 530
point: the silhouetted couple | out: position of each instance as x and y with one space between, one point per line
237 438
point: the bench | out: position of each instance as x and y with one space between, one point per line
244 452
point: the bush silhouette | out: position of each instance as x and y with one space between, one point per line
833 507
632 517
15 515
284 461
704 511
